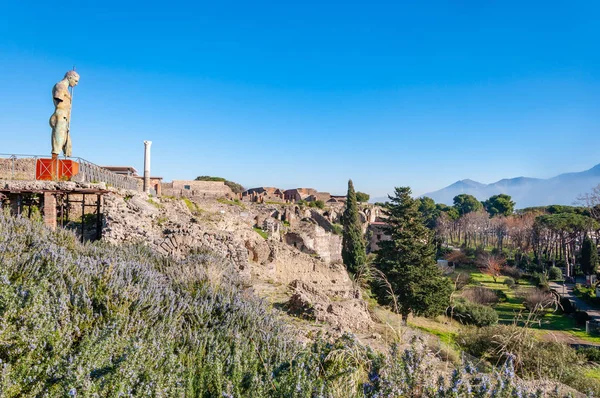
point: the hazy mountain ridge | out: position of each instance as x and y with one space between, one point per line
526 191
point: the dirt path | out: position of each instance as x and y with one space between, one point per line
564 337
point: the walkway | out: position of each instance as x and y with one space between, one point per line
567 291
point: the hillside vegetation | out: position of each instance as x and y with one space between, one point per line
102 320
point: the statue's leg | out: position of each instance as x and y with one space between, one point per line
59 135
68 147
55 135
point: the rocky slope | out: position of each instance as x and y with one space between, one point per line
300 255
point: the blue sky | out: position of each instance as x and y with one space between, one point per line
312 93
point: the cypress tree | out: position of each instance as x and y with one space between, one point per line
589 256
354 251
407 260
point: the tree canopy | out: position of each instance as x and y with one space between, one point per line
362 197
407 261
354 252
429 211
589 257
566 222
499 205
465 204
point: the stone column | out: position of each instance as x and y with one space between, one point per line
147 145
50 210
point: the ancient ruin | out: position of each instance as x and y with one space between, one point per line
279 240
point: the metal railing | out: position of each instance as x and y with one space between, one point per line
18 169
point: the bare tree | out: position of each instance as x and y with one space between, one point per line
591 200
490 264
443 228
519 230
457 257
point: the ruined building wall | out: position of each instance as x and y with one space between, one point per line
196 189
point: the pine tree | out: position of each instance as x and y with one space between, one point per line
407 260
589 256
354 251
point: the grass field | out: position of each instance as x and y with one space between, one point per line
513 310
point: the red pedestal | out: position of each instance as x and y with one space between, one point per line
55 169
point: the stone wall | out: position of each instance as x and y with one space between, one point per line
155 184
17 169
321 220
375 234
196 189
311 239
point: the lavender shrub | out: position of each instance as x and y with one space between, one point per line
97 320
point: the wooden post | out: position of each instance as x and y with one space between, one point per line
82 216
68 208
99 216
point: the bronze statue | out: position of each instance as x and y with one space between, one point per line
61 118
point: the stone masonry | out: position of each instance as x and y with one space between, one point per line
196 189
17 169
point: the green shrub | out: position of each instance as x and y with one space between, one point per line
587 294
567 306
192 206
337 229
235 202
362 197
469 252
470 313
533 358
555 274
509 282
502 297
443 251
155 204
584 292
262 233
539 279
512 272
591 353
581 317
317 203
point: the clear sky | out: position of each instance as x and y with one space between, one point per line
418 93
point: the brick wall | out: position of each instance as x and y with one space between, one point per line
24 169
199 189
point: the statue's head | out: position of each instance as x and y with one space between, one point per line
72 77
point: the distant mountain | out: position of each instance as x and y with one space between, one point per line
526 192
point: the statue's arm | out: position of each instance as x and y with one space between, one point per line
61 93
